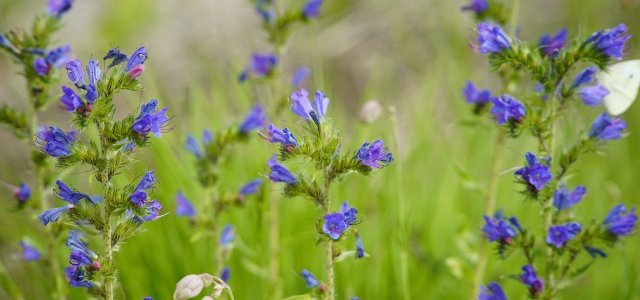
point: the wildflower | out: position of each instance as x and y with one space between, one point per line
350 213
183 206
22 193
137 58
507 109
284 136
559 235
4 42
207 137
563 198
116 57
75 73
491 39
70 100
57 8
584 77
147 181
610 42
320 104
299 77
476 96
29 253
254 120
139 195
605 128
497 229
261 65
309 279
304 108
618 224
77 277
359 247
227 235
225 275
334 225
374 155
535 174
192 146
52 215
153 209
81 255
312 9
41 66
94 72
136 71
150 120
265 10
477 6
551 45
55 142
532 280
593 95
64 192
53 59
251 187
279 173
493 291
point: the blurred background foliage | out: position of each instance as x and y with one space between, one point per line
412 55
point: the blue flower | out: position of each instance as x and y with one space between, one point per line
350 213
266 11
254 120
227 235
497 229
225 274
506 109
359 247
374 155
584 77
77 277
150 120
606 128
52 215
559 235
563 198
491 39
320 104
309 279
64 192
137 58
29 252
22 193
81 255
493 291
477 6
55 142
116 56
251 187
192 146
619 224
551 45
279 173
70 100
284 136
4 42
58 57
57 8
299 77
312 9
75 73
334 225
41 66
535 174
531 279
147 181
153 209
94 72
304 108
261 65
610 42
139 195
183 206
593 95
476 96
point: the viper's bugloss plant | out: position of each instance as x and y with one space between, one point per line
564 237
120 211
319 143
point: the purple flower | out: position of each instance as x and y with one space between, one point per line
493 291
551 45
22 193
279 173
92 94
309 279
55 142
506 109
137 58
52 215
584 77
359 247
476 96
81 255
610 42
58 56
139 195
184 207
606 128
531 279
192 146
207 137
320 104
254 120
153 209
116 56
70 100
303 107
4 42
227 235
41 66
497 229
563 198
77 277
251 187
260 65
374 155
559 235
265 10
65 193
312 9
57 8
535 174
150 120
299 77
225 275
334 225
491 39
350 213
94 72
477 6
593 95
75 73
29 252
147 181
284 136
619 224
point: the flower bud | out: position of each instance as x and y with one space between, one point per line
191 285
136 71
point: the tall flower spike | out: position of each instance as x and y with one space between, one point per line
534 174
309 279
551 45
374 155
619 224
29 252
563 198
491 39
605 128
506 108
279 173
254 120
55 142
184 207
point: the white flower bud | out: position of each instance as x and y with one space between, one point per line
191 285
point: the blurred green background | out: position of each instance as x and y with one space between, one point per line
412 55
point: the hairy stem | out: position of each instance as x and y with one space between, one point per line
109 279
326 209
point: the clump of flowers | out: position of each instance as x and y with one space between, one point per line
120 211
320 143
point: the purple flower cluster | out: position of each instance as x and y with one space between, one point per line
507 109
491 39
610 42
535 174
335 224
151 120
559 235
605 128
82 260
70 100
374 155
499 229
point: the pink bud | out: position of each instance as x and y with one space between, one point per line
96 265
136 71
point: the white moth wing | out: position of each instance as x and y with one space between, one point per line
622 80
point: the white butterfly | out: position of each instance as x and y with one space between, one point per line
622 80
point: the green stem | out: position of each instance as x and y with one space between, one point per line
326 209
548 204
108 259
